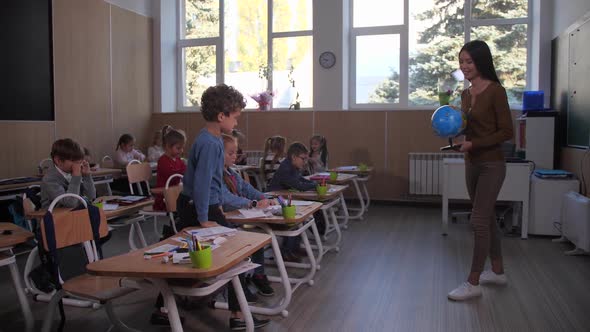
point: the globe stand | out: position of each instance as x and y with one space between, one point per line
451 146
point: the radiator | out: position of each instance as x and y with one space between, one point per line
575 220
426 171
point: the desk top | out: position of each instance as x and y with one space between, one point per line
352 170
19 235
227 255
343 178
312 195
106 172
303 213
123 210
459 161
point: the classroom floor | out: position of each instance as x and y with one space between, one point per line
393 273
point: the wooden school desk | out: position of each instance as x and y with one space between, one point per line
162 276
7 242
362 179
304 213
343 179
333 197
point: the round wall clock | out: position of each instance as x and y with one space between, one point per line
327 59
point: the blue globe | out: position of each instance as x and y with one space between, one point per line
448 122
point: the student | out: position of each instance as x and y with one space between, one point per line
238 194
201 197
274 152
156 150
241 157
288 176
490 123
170 162
318 155
125 151
70 173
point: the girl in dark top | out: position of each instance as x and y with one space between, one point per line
489 124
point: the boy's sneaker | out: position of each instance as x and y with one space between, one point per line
490 277
465 291
261 282
237 324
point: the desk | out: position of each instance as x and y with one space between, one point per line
7 242
304 213
363 177
335 194
516 188
132 264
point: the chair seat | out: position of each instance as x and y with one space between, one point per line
97 288
149 211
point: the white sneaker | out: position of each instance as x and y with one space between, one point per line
490 277
465 291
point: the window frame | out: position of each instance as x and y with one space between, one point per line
403 31
219 43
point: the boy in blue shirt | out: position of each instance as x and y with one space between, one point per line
201 198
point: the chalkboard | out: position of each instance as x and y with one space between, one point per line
578 117
26 61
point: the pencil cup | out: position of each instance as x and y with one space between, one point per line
201 259
333 176
322 190
99 205
363 167
289 212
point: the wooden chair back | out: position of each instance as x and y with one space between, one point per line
107 162
72 227
138 173
170 196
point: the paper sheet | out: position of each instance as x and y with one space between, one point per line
347 168
252 213
301 203
110 207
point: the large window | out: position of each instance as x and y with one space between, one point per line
403 52
253 45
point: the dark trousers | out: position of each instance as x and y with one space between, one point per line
484 181
291 243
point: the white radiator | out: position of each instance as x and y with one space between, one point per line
426 171
575 220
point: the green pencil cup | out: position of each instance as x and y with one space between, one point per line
289 212
322 190
202 259
363 167
99 205
333 176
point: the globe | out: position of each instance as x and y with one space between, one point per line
448 122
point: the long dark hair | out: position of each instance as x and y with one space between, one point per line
482 58
125 139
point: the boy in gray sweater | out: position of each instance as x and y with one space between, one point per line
70 173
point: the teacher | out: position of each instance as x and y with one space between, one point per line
489 124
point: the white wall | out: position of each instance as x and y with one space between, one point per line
567 12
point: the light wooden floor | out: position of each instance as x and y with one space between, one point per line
392 274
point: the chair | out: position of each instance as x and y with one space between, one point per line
107 162
170 196
71 230
139 174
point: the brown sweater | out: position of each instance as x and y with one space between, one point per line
489 123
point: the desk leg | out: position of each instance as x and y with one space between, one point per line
445 215
170 303
22 298
524 230
346 215
359 194
243 303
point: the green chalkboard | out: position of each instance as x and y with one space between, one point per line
578 113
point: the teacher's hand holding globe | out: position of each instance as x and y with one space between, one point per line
448 122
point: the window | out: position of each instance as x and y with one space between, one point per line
403 52
248 46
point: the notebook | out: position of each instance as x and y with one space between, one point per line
552 173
